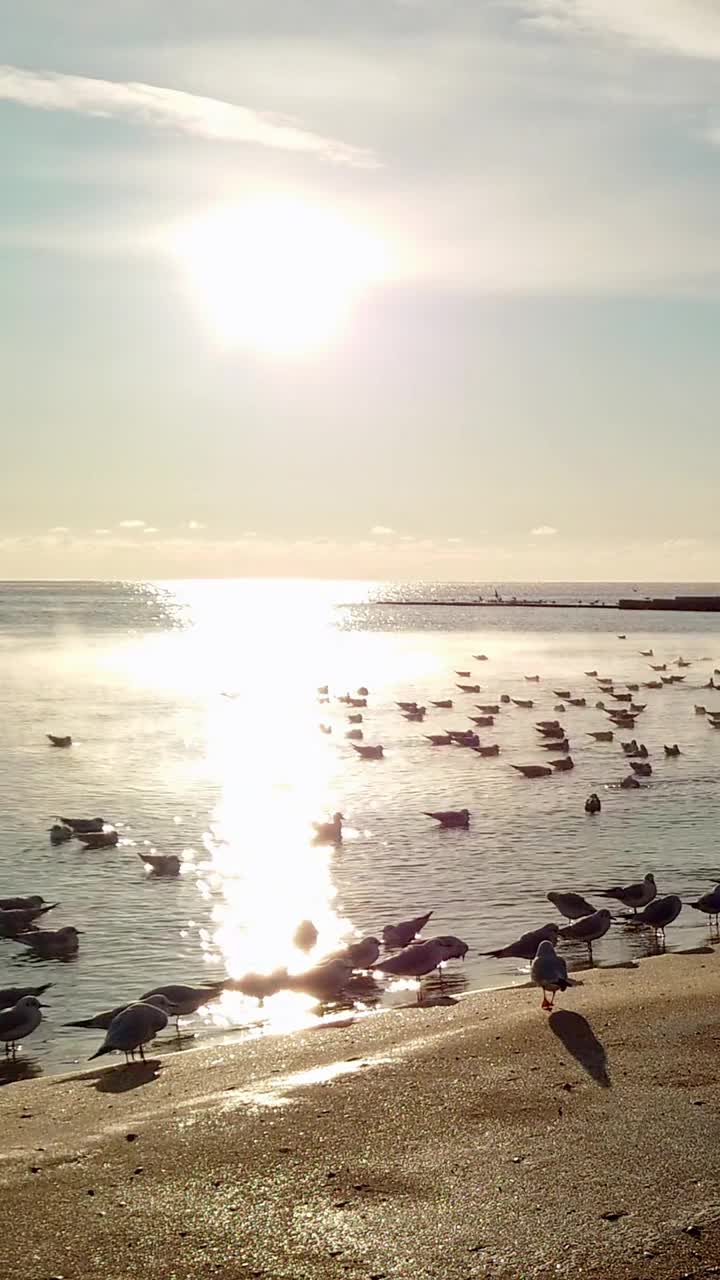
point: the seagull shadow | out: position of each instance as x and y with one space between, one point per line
14 1069
580 1040
122 1078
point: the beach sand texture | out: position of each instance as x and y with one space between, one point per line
481 1139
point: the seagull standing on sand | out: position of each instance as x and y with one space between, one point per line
571 905
549 972
134 1027
588 929
20 1021
633 895
709 904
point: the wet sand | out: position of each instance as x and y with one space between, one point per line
481 1139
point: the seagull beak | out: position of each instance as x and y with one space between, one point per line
43 1005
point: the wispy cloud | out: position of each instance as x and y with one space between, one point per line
544 531
687 27
195 524
150 528
157 107
681 544
131 524
381 530
59 528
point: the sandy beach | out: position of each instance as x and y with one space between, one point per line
482 1138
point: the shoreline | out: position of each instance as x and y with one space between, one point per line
479 1138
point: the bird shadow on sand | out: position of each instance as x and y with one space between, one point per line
580 1040
124 1077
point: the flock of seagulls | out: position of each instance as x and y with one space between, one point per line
401 952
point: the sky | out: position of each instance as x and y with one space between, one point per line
360 288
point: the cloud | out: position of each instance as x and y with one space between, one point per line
681 544
101 531
131 524
59 528
544 531
195 524
690 28
454 540
250 534
149 528
157 107
381 530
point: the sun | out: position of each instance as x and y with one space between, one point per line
280 274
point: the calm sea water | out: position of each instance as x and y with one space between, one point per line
194 716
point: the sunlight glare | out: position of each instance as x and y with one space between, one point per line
279 275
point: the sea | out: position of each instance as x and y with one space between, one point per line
195 717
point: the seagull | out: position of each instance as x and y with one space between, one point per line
368 753
588 929
630 783
325 981
60 832
400 935
161 864
355 735
483 722
659 914
417 714
709 903
547 724
633 895
56 741
34 901
329 832
10 995
259 985
549 971
407 706
550 730
20 1021
363 692
561 766
494 750
439 739
593 804
356 718
571 905
79 825
20 921
469 688
532 679
481 657
577 702
562 693
305 936
445 704
100 839
462 674
646 653
526 703
641 767
674 750
451 817
415 961
361 955
525 947
455 948
101 1021
591 673
532 770
134 1027
183 1000
51 943
325 728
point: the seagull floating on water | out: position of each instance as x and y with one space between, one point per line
161 864
593 804
329 832
13 922
450 817
52 943
59 833
34 902
58 741
80 825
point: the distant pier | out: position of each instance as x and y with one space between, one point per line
672 604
